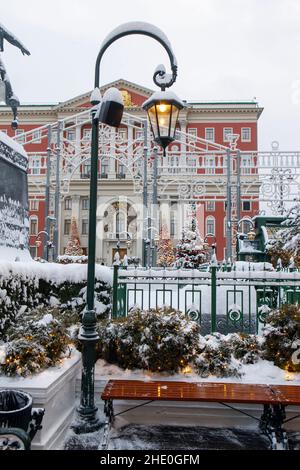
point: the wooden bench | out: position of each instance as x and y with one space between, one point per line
273 398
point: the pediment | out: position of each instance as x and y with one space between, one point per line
133 94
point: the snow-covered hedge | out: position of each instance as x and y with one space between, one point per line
25 286
167 340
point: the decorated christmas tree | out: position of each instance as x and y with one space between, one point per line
191 251
73 247
165 249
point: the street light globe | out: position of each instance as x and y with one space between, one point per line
163 110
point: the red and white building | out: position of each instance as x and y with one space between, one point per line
194 169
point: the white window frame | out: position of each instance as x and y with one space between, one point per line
139 134
246 164
65 233
210 218
71 132
35 164
226 131
121 135
246 210
85 201
243 139
34 218
207 130
86 135
34 205
18 132
192 132
212 208
104 166
85 222
68 204
38 138
210 167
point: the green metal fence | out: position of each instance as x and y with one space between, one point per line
224 301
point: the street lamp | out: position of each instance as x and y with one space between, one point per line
163 109
109 111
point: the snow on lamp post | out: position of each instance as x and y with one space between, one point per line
109 110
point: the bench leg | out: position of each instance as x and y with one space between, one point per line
109 410
271 422
109 413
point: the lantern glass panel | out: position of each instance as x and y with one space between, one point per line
174 118
163 116
153 120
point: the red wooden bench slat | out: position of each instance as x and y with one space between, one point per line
201 391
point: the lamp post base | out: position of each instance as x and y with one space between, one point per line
85 423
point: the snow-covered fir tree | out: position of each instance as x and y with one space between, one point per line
73 247
165 249
287 243
191 251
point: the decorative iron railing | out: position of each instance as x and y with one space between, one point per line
224 301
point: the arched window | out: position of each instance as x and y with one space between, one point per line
120 222
210 225
33 225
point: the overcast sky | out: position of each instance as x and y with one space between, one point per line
226 50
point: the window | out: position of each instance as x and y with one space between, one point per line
70 135
85 203
246 165
246 206
192 132
67 226
104 166
210 134
122 169
173 226
35 165
139 135
20 136
120 222
87 133
121 135
33 205
246 134
37 136
85 226
86 170
33 226
68 204
210 165
226 132
210 225
210 206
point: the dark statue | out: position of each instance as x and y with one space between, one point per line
10 98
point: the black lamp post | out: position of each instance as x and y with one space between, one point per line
109 111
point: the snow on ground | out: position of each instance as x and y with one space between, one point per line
263 372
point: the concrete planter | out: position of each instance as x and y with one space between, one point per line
54 390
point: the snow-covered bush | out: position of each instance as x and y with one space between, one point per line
246 348
26 286
156 340
216 357
23 357
282 337
37 341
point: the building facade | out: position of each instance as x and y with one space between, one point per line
197 170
